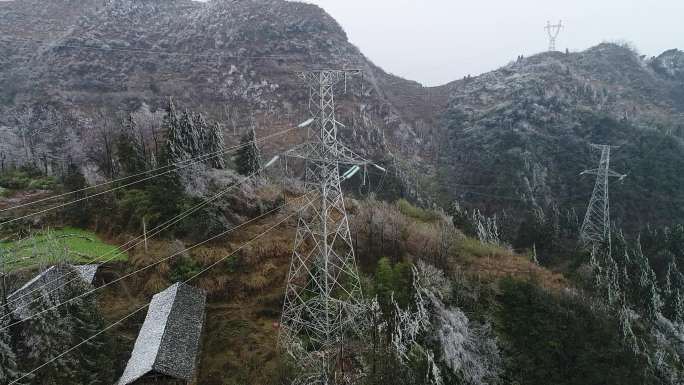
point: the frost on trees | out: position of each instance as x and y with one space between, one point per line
9 363
215 145
190 136
131 149
174 151
486 228
469 350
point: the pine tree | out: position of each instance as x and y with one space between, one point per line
216 147
202 129
247 157
188 135
43 338
674 293
74 181
130 152
86 322
647 295
173 150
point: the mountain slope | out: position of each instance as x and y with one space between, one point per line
230 59
519 136
515 137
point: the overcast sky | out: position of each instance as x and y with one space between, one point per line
436 41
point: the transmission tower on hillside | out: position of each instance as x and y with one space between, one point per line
323 293
595 229
255 159
553 30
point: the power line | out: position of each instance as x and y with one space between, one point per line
323 288
79 344
183 164
236 227
147 305
157 230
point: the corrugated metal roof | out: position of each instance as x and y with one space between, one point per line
168 342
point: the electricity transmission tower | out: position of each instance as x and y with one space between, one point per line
255 159
553 30
595 229
323 293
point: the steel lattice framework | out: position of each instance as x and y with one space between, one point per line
255 159
323 293
553 30
595 228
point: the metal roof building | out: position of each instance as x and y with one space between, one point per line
49 282
168 344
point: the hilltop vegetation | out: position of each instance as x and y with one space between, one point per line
469 242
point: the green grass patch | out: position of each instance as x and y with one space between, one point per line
472 246
59 245
26 179
406 208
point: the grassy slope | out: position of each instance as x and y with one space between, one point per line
239 344
66 244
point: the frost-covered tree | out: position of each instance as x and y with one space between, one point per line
9 363
216 146
174 149
486 228
85 322
247 159
647 292
625 319
62 336
469 350
130 149
43 338
202 130
75 182
673 292
188 134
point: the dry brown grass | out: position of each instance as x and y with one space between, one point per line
496 265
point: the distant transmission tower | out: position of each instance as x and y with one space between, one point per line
553 30
323 293
255 159
595 229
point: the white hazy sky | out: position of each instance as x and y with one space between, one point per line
436 41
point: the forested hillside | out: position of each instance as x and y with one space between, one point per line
148 141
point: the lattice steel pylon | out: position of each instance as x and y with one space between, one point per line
553 30
323 293
595 228
255 159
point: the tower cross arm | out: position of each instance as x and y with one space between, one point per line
316 152
610 173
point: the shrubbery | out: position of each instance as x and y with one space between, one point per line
406 208
558 339
26 178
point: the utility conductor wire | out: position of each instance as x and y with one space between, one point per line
190 161
87 293
158 229
110 190
108 327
